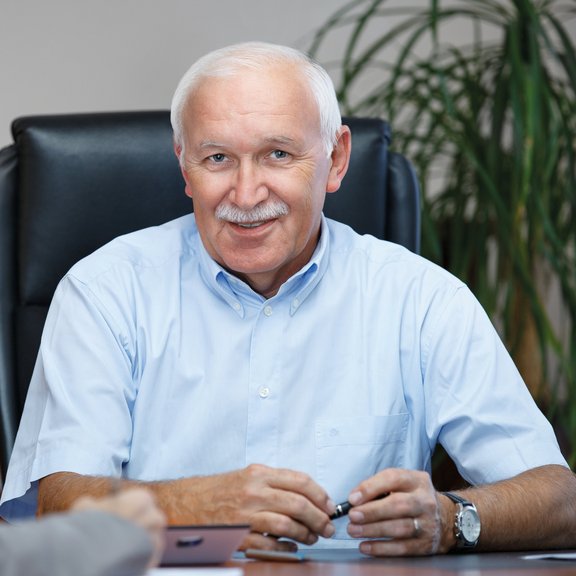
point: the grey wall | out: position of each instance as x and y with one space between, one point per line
89 55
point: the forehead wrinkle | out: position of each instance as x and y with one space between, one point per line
266 140
279 140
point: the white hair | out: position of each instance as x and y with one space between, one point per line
230 60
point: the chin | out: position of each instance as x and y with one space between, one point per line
252 264
242 270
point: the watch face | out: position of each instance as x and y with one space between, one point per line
470 525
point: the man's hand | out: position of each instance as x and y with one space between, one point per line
415 520
275 502
136 505
411 520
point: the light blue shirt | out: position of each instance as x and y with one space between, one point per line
157 363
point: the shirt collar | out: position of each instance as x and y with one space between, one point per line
238 294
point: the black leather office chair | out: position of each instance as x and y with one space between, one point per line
71 183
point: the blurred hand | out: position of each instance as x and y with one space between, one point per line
136 505
410 518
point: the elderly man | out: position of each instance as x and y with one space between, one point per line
256 362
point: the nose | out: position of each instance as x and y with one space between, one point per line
248 188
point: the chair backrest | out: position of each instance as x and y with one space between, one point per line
71 183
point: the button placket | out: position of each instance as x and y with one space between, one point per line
263 407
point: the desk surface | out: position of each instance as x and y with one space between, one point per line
352 563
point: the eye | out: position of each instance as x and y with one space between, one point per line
217 158
279 154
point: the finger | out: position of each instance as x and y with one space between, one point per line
404 538
301 511
282 525
394 506
266 542
399 529
387 481
289 494
155 519
420 502
288 499
138 497
84 503
158 538
302 484
134 503
405 547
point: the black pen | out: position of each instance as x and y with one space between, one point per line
344 507
341 510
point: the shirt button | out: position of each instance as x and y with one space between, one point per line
268 310
237 306
263 391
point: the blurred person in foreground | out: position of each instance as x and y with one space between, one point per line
117 535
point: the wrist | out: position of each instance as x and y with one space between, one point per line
467 525
447 513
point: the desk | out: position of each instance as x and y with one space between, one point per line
351 563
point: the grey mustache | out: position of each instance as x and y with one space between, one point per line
259 213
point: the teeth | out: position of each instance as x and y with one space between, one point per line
251 225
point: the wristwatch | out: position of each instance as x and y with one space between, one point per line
466 522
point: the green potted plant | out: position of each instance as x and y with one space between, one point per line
490 125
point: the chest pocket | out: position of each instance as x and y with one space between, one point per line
349 450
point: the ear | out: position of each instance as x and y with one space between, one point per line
340 159
178 152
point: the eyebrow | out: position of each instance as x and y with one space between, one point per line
210 144
276 140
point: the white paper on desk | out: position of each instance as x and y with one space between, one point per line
551 556
195 571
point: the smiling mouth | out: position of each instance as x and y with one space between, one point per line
251 224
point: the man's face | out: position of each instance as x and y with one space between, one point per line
257 171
